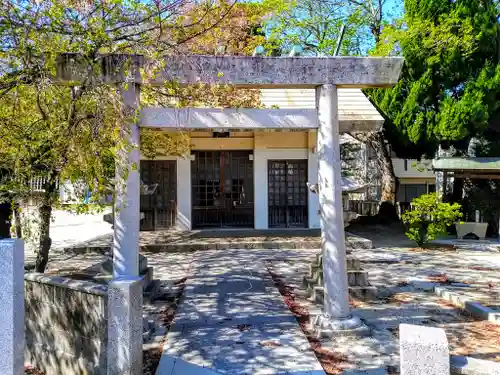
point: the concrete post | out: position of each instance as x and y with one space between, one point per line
125 327
260 189
423 350
336 315
127 211
183 221
12 311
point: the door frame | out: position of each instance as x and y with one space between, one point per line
304 220
148 204
223 210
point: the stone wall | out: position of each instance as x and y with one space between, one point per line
66 325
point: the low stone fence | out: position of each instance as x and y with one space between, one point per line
364 208
424 351
66 325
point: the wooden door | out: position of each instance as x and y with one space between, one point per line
159 208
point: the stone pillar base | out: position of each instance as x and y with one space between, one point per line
326 326
125 327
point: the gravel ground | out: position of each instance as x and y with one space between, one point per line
409 276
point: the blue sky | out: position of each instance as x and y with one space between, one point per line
394 7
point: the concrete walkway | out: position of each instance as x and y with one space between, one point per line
232 320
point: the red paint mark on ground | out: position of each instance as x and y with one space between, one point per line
355 303
441 278
30 370
270 344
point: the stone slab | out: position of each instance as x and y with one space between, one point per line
281 72
422 284
473 366
423 350
254 349
354 241
68 283
232 320
247 71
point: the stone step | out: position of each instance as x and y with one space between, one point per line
364 293
357 278
318 295
352 262
356 242
354 278
352 242
189 247
314 281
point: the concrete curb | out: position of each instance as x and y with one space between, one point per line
476 309
352 242
375 371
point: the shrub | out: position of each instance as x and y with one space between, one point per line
429 218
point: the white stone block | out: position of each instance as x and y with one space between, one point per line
125 327
12 307
423 350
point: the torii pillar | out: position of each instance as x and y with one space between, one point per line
126 204
336 317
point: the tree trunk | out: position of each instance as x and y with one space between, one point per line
45 212
42 256
17 220
384 161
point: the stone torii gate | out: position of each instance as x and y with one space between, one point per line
325 74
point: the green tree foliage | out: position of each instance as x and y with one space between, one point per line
449 87
429 218
316 24
61 132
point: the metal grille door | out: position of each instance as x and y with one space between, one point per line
160 208
222 184
287 194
